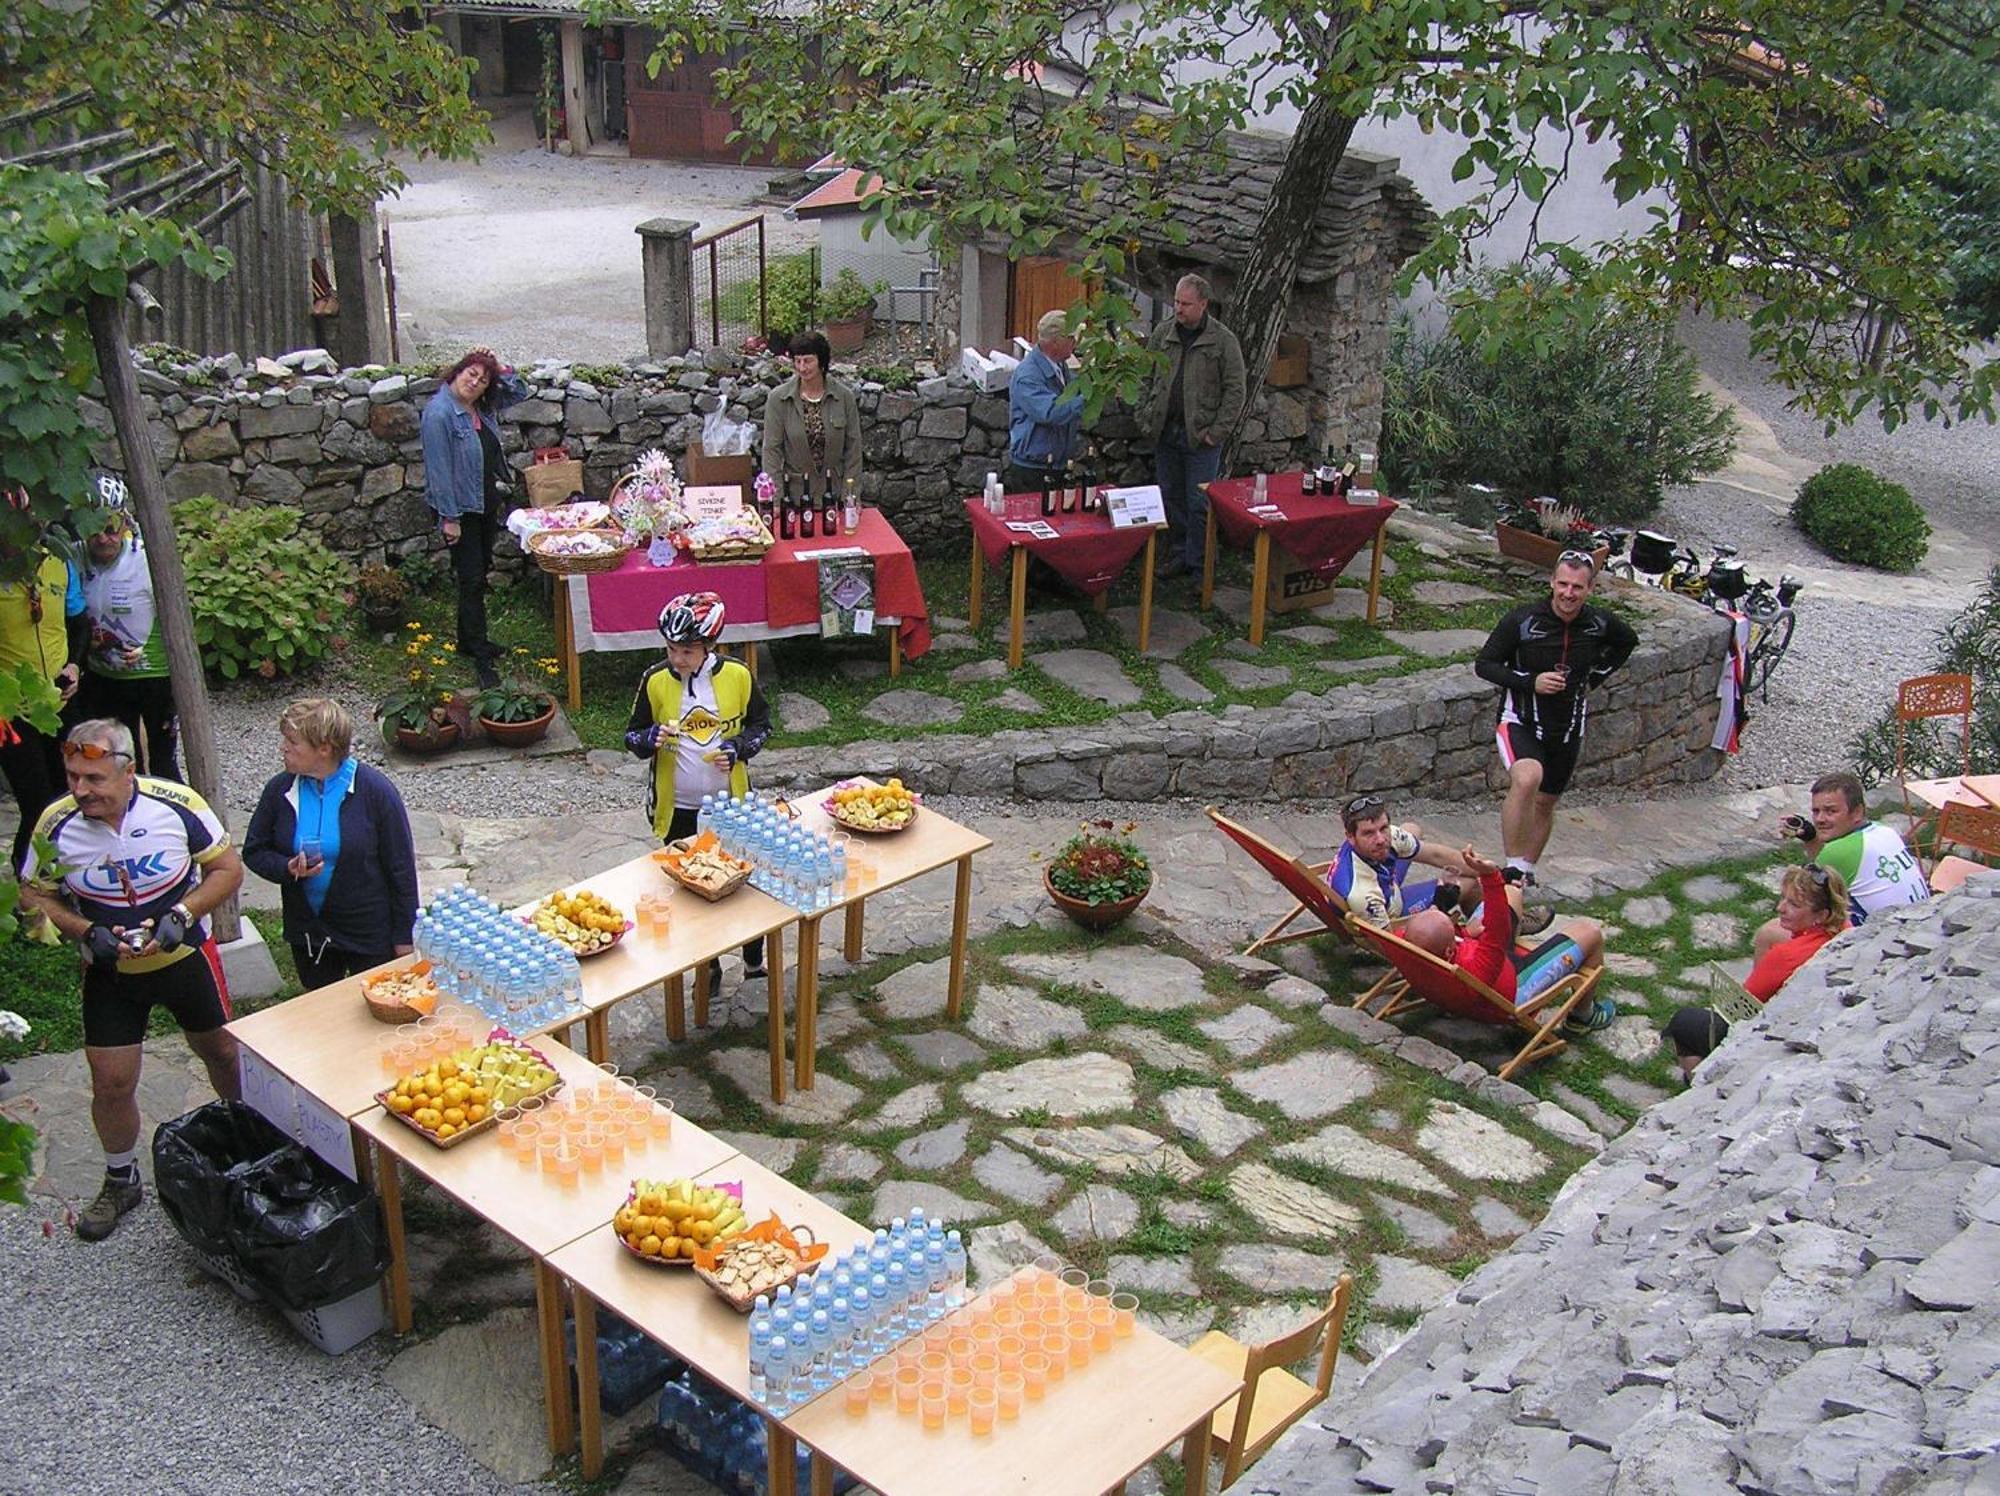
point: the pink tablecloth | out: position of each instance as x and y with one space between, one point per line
1324 534
767 599
1087 552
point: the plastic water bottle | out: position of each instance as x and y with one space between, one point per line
760 1350
819 1336
954 1257
778 1375
899 1297
936 1279
704 818
861 1318
840 1347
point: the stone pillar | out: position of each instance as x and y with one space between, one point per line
572 87
667 256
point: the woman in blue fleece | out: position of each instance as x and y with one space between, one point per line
332 833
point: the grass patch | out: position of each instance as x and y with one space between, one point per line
44 984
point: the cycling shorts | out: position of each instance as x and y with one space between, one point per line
1538 970
1558 760
118 1004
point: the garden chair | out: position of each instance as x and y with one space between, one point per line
1926 698
1272 1399
1728 996
1416 977
1974 828
1305 882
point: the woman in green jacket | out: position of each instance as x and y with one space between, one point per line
812 424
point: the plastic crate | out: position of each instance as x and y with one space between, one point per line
226 1269
338 1327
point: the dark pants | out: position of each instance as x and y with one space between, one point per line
1180 470
471 560
333 965
146 707
32 764
683 824
1020 479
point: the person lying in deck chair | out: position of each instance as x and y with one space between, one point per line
1487 950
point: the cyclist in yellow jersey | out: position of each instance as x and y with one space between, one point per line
41 626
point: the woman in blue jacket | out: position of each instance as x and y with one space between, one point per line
332 833
466 480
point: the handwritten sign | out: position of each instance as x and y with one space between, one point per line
713 500
1141 505
327 1133
268 1093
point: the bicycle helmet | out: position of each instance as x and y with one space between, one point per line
108 494
692 618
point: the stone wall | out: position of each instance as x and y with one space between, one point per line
1431 732
1786 1280
342 445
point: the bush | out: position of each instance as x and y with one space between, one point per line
1855 515
1969 645
265 598
1536 389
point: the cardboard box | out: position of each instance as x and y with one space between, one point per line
700 471
990 373
1288 364
1295 591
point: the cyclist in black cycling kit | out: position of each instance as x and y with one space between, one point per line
1545 657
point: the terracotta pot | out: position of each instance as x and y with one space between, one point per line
1093 916
845 337
1538 549
519 734
424 743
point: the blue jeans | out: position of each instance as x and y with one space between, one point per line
1180 470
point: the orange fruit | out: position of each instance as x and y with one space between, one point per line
650 1245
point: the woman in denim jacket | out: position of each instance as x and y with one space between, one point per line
466 480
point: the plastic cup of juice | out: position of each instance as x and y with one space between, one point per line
908 1380
1034 1374
958 1387
1125 1309
660 1120
859 1388
931 1400
984 1404
1009 1388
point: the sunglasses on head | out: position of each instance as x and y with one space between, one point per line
1578 558
1363 806
91 751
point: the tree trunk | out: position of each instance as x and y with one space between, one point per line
163 560
1263 291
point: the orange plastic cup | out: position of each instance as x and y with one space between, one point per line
1034 1374
984 1404
961 1347
883 1386
931 1400
1103 1329
1009 1389
569 1165
985 1367
906 1388
933 1365
1079 1348
613 1133
591 1153
660 1121
1125 1312
860 1387
958 1387
1056 1348
1006 1319
1010 1349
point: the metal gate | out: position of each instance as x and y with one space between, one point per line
729 300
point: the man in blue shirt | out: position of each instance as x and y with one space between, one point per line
1044 409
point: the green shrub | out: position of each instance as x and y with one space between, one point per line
1968 645
1536 389
266 599
1855 515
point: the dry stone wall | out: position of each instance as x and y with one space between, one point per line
341 444
1784 1282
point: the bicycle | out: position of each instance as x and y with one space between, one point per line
1722 585
1772 620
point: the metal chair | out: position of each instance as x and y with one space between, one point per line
1974 828
1926 698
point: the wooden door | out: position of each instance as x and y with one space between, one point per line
1040 285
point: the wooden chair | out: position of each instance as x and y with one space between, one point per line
1304 881
1974 828
1272 1399
1416 977
1926 698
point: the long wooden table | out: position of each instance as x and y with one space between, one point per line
934 841
1981 790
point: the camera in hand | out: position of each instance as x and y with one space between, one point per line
1513 874
1799 826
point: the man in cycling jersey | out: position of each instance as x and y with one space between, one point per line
138 864
1871 858
1545 656
1368 874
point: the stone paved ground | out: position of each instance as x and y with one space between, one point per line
1224 1136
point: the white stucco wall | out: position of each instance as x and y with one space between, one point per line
900 262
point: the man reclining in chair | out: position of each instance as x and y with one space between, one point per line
1368 873
1487 951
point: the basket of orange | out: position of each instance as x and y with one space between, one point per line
401 996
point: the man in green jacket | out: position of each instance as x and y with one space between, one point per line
1189 412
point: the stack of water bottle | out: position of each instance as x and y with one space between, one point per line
793 865
485 958
723 1440
857 1308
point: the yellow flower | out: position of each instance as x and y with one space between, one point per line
412 648
416 675
412 624
444 698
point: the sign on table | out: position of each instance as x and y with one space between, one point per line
712 501
1141 505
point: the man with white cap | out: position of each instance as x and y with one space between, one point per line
1044 409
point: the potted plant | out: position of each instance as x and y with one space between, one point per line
1099 875
518 711
1539 530
417 715
847 310
384 595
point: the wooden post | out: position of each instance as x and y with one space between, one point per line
163 559
572 87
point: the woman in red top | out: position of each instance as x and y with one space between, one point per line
1812 909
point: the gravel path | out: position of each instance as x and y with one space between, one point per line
124 1368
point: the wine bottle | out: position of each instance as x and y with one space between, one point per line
1329 475
1048 496
1347 466
808 514
1309 482
1071 487
850 508
829 509
788 518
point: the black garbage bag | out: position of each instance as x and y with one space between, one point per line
194 1160
303 1232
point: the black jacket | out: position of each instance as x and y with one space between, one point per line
371 901
1532 639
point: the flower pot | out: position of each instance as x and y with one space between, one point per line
1539 550
519 734
426 741
845 337
1093 916
384 619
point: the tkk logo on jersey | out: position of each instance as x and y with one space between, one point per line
112 876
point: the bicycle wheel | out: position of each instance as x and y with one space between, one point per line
1769 650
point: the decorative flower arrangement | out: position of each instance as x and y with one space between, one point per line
423 703
648 501
1545 516
521 695
1101 864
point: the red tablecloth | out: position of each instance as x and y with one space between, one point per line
780 594
1323 534
1087 552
